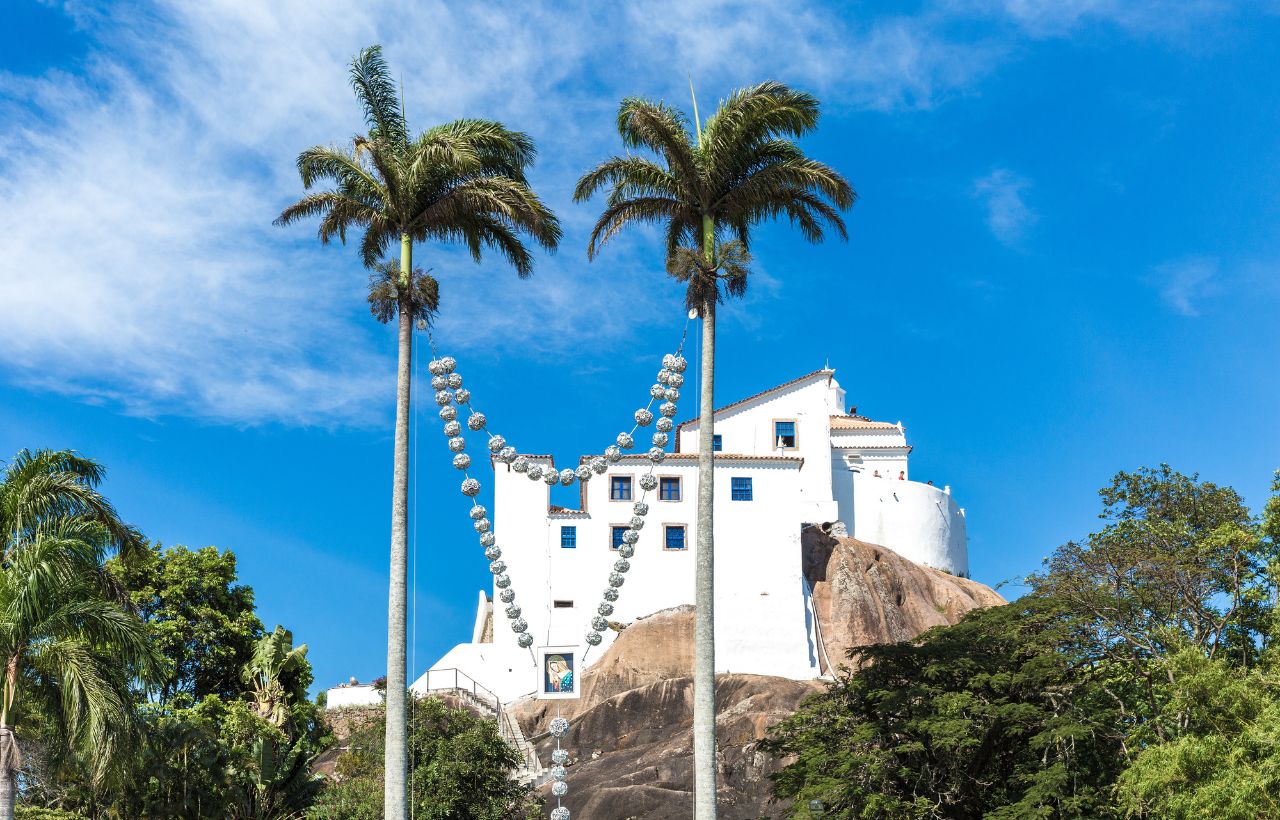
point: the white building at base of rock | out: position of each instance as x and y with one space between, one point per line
785 458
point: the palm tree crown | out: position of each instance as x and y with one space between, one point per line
741 169
70 641
463 181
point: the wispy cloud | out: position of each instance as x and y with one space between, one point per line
1003 196
143 270
1170 19
1185 283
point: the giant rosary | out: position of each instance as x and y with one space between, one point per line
450 395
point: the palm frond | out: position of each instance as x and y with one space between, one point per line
45 485
757 113
376 91
662 129
652 210
634 175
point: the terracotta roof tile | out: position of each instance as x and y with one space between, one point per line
860 423
727 457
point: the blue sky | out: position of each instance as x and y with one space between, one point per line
1063 263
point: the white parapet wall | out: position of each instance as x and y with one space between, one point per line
918 521
345 697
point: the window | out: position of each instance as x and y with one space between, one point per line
620 488
673 537
615 536
568 537
716 444
668 488
562 604
784 435
740 489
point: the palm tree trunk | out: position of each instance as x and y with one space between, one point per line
10 759
6 795
395 805
704 654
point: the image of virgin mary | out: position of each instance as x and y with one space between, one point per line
559 674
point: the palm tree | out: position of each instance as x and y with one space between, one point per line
69 639
708 189
464 182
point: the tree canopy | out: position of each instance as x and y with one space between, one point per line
1137 679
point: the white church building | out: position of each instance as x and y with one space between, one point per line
786 457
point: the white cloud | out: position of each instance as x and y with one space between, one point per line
144 270
1061 18
1002 193
1185 283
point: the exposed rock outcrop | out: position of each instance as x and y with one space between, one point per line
867 594
630 743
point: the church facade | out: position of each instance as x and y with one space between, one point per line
787 457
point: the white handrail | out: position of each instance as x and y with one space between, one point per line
817 628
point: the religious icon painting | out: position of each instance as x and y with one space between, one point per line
558 672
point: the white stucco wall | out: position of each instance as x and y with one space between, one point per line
341 697
918 521
764 621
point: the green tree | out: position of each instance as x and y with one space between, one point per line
463 181
461 771
1180 564
743 169
68 637
1225 761
200 618
1004 715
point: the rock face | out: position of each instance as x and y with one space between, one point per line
866 594
630 745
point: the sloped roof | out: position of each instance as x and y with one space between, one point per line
825 371
860 423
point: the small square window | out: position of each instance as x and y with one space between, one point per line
568 537
620 488
673 537
740 489
669 488
784 435
717 444
615 536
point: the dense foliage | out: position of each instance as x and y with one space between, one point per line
459 770
145 686
226 729
1138 679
